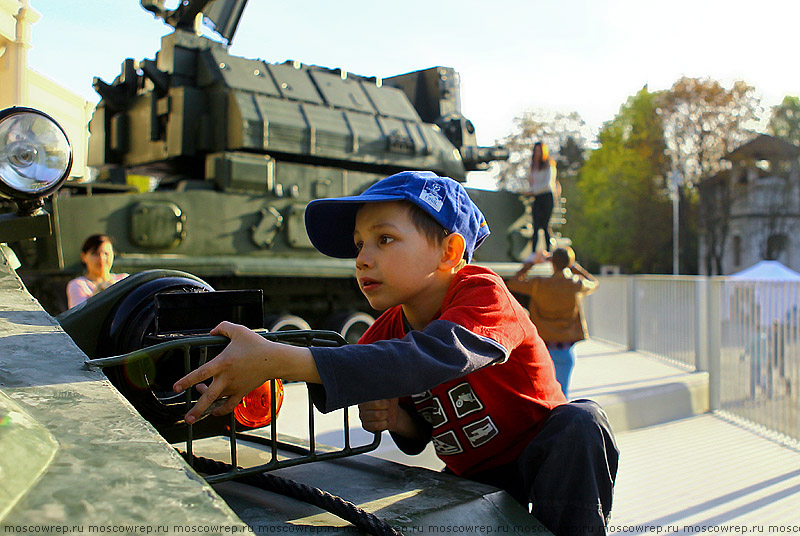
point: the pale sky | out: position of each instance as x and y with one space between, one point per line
587 56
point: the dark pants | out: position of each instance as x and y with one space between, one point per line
567 471
542 210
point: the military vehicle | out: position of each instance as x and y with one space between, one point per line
83 456
77 458
227 152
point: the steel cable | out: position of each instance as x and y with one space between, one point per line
346 510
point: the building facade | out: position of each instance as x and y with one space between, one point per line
22 86
751 211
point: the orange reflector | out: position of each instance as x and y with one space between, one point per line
254 409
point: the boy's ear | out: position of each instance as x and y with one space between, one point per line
453 250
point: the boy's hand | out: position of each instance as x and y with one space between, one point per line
379 415
241 367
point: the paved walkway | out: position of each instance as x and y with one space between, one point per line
692 475
703 474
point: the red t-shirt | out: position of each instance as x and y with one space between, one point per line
486 418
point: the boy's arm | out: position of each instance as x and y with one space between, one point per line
387 369
351 374
247 362
413 444
410 432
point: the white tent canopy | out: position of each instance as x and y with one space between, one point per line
772 287
767 271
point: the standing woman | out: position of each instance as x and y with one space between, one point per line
97 254
544 187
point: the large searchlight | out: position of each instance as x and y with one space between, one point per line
35 160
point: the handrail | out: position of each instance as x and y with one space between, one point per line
744 333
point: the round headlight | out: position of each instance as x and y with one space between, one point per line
35 154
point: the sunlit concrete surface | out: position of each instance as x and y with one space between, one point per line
604 368
694 475
702 474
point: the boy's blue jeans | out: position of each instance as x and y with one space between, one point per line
567 471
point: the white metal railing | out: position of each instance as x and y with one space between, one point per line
606 310
746 334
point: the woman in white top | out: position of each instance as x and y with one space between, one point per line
97 254
544 187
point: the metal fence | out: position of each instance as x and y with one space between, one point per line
606 310
746 334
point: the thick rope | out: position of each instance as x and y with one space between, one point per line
348 511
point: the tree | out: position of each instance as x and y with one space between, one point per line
703 122
715 200
785 120
564 135
622 213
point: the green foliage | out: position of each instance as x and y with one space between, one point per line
619 205
620 212
785 120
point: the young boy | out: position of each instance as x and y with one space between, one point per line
472 372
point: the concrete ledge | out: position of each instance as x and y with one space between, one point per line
637 390
656 402
109 465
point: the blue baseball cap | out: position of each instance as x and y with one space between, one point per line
330 222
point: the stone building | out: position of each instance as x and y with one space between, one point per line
751 211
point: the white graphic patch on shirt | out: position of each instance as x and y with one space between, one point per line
480 432
464 400
433 413
433 194
420 397
447 444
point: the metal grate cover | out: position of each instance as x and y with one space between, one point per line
299 453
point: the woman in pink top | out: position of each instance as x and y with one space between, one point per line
97 254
